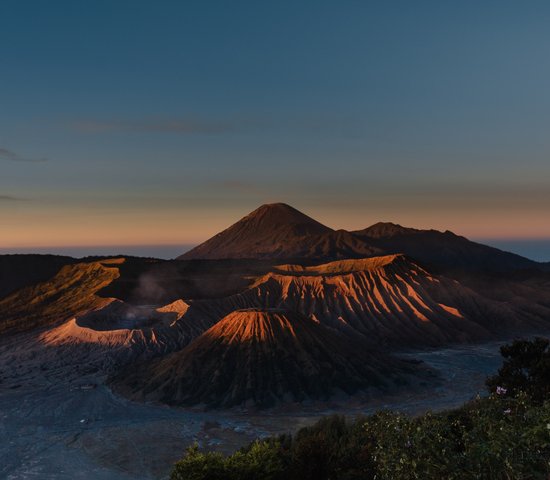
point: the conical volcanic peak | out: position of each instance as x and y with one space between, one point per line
272 231
263 325
261 358
273 215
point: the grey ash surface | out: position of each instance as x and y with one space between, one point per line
59 421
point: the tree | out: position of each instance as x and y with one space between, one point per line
526 369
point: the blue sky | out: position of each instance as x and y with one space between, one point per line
141 122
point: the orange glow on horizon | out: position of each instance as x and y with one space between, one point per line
195 226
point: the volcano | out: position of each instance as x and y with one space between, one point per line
279 231
262 357
388 300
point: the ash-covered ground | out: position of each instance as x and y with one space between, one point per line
58 420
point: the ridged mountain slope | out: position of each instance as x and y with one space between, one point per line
261 358
390 300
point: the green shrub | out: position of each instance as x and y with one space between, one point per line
260 460
491 438
199 466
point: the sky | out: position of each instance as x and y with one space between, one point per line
159 123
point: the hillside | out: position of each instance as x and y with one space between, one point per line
70 292
261 357
442 250
278 231
389 300
22 270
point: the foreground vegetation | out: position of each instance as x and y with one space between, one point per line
503 436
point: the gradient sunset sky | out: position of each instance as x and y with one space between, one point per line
162 122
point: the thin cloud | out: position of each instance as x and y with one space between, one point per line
191 125
11 156
181 126
10 198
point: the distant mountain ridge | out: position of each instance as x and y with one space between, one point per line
278 231
442 249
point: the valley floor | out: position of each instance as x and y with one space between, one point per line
59 421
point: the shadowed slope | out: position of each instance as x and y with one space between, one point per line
21 270
261 357
335 245
70 292
442 249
